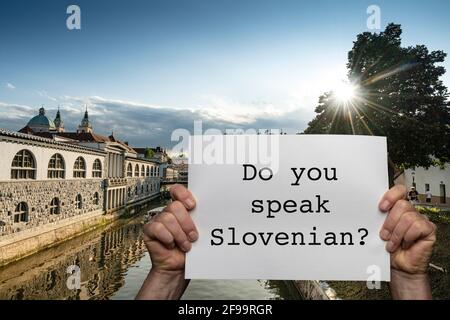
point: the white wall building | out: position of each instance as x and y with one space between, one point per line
435 179
48 175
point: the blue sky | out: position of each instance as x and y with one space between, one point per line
148 67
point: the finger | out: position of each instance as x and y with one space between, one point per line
406 221
184 219
389 199
156 248
157 231
421 229
393 218
180 193
171 224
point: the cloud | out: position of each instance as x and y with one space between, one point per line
10 86
150 125
44 94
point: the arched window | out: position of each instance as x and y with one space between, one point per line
157 171
148 188
136 190
153 171
142 189
129 170
148 171
129 192
79 168
142 171
56 167
54 206
97 169
136 171
79 202
96 198
21 213
23 166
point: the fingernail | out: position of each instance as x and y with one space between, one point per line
193 236
384 206
190 203
390 246
385 234
186 246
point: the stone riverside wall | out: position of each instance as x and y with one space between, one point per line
23 244
42 228
38 195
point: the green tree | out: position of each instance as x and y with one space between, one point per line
149 153
398 94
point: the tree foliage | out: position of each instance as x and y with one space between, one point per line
149 153
399 95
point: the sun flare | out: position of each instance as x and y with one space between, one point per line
345 92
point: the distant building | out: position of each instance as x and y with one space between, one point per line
179 165
435 180
158 153
171 174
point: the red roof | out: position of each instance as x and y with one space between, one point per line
26 130
84 136
77 136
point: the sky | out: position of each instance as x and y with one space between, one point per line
145 68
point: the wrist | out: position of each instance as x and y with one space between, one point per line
406 286
163 285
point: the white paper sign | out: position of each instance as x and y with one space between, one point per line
288 207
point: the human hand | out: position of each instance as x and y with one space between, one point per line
410 240
168 237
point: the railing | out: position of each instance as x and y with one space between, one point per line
174 180
113 182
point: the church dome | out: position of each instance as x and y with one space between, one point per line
41 121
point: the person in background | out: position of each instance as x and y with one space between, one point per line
409 237
413 196
429 196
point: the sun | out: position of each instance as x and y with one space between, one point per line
345 92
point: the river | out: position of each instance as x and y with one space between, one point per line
113 263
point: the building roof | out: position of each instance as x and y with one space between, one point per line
41 120
26 130
59 123
86 123
50 141
140 150
84 136
81 136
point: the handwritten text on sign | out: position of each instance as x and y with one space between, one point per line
304 209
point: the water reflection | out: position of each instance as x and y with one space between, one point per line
103 257
113 262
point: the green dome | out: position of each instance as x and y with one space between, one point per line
41 120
